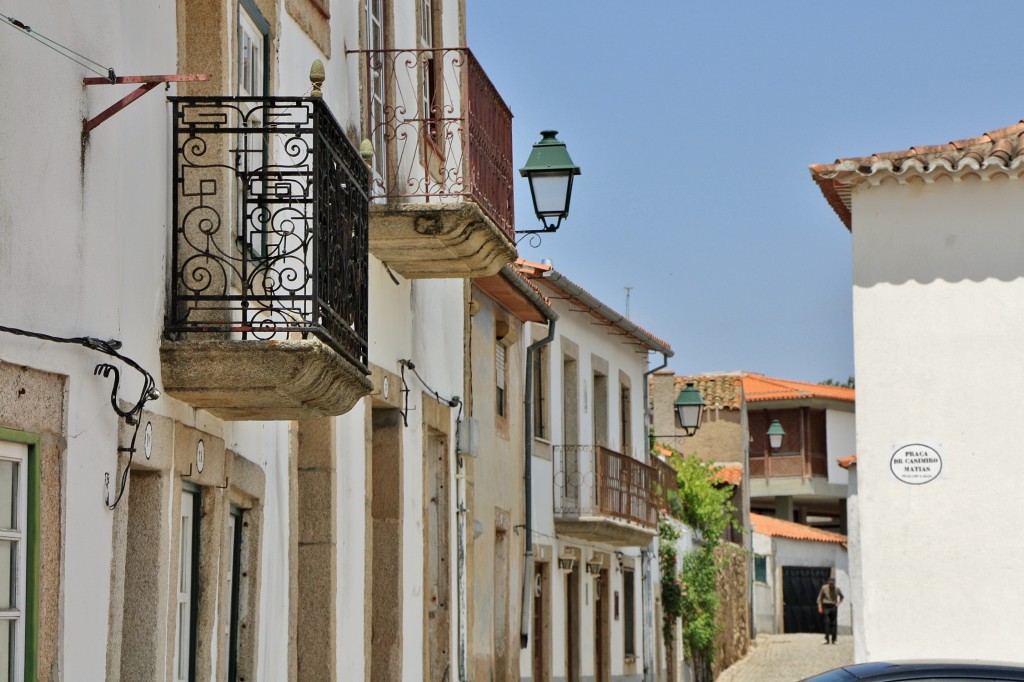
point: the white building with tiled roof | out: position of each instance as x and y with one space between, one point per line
938 298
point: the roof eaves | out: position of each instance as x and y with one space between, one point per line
584 298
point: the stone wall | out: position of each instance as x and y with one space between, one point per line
733 641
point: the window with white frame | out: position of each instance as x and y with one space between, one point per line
500 375
540 394
16 543
253 66
625 419
428 90
629 612
378 89
187 587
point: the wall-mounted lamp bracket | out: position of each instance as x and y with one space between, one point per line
147 84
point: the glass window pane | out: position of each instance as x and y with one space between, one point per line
8 493
8 572
6 646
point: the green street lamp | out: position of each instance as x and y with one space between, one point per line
689 408
775 434
550 172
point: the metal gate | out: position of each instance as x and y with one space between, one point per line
800 585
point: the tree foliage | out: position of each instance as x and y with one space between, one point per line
849 383
703 503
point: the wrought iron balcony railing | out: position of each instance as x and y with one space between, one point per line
440 131
591 480
270 208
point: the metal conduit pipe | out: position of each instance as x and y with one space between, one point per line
648 553
531 357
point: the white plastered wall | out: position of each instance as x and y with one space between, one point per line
592 340
939 327
841 436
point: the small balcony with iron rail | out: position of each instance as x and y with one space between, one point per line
267 301
604 496
441 187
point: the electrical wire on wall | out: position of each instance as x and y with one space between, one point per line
64 51
106 370
454 401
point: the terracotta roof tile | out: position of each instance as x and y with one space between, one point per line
995 152
758 387
720 391
729 473
847 462
561 287
766 525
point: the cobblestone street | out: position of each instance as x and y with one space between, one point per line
788 658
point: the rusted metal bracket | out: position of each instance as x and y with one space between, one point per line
147 84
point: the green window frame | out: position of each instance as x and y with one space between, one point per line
30 607
760 568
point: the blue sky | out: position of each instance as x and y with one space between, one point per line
694 124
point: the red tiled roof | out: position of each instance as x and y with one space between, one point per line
847 462
995 152
564 288
767 525
729 473
759 387
720 391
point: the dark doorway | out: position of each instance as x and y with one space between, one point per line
572 612
800 585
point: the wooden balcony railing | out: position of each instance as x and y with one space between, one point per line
667 481
591 480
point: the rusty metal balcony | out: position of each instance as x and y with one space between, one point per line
604 496
442 166
666 482
267 314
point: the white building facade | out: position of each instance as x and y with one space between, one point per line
937 285
285 508
594 502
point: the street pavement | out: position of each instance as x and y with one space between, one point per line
788 658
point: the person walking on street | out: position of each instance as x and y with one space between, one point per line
829 599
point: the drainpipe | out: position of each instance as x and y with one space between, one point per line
531 357
460 492
647 555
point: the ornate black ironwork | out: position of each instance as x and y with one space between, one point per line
440 129
271 214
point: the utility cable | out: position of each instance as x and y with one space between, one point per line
62 50
131 415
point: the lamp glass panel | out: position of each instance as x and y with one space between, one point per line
688 416
550 192
775 440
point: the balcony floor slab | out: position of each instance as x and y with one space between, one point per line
605 530
262 380
438 240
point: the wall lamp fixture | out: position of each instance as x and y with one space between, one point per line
689 408
775 434
550 172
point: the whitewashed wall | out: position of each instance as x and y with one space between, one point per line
591 340
841 437
789 552
766 617
939 327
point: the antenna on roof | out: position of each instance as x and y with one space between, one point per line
629 290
